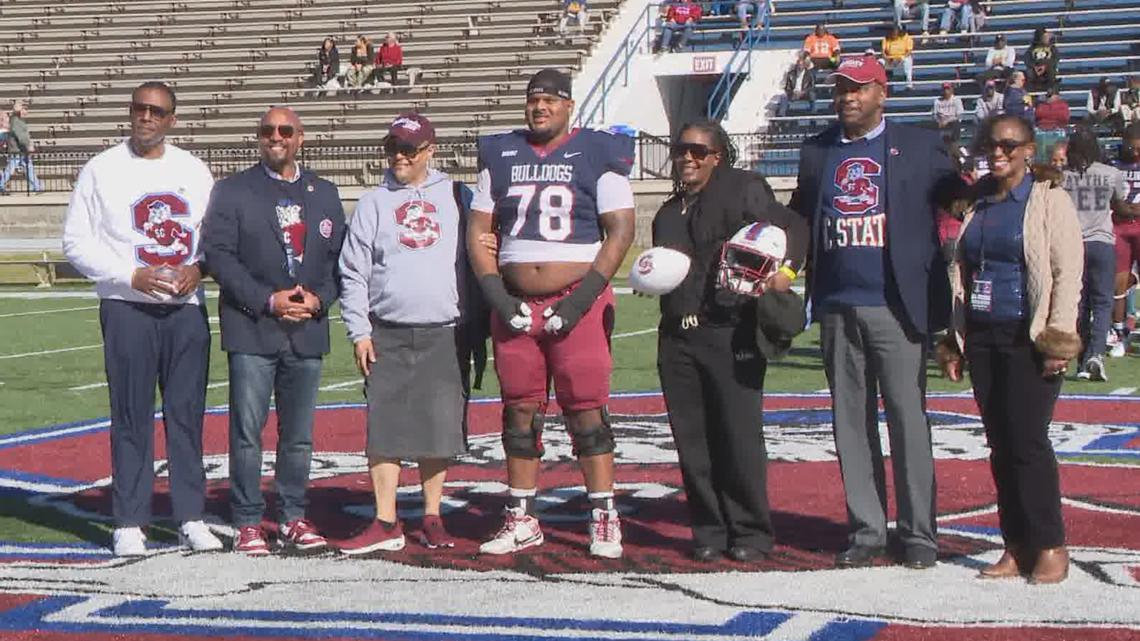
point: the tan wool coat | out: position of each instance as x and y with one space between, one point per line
1054 261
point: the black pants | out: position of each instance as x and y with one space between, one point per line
1016 403
144 344
713 381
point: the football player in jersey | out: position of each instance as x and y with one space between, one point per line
562 206
1126 225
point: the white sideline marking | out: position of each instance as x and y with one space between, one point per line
50 351
1123 391
50 311
344 384
80 388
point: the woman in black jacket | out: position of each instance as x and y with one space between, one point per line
328 62
711 368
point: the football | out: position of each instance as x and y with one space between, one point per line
658 271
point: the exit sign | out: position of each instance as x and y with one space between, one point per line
704 64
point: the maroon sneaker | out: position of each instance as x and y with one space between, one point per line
301 535
251 541
374 538
433 535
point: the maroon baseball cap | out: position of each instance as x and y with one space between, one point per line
412 129
862 70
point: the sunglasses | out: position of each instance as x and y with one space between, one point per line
1008 145
140 108
695 149
407 150
285 131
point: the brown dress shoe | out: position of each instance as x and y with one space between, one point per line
1052 566
1005 568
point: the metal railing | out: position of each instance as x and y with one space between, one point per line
593 106
738 68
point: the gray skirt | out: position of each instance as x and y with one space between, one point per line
417 393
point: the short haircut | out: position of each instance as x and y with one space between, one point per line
161 86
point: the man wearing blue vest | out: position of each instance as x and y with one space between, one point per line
867 187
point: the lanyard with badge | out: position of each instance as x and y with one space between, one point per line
982 283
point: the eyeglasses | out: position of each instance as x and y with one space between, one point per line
407 150
1008 146
695 149
140 108
285 131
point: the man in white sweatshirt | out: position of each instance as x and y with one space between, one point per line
133 226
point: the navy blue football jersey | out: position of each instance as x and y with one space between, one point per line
546 201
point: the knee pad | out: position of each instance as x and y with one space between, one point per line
594 440
524 442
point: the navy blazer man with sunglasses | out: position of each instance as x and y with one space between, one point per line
867 188
273 235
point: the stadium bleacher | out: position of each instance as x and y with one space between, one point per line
1096 38
77 61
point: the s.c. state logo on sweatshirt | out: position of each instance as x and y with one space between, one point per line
169 242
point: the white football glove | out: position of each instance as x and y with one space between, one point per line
554 322
522 320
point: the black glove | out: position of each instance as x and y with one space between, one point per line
515 313
561 317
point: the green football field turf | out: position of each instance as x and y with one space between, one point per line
51 363
51 372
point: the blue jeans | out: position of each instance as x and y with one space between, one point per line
1095 312
293 381
667 34
900 10
16 161
965 18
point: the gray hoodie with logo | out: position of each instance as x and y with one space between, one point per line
404 259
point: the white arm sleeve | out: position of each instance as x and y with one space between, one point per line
614 192
482 200
81 245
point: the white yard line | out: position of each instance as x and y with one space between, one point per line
50 311
81 388
50 351
1123 391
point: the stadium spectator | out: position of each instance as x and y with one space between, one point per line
711 363
5 126
1104 105
989 103
757 8
799 82
1130 101
133 227
898 51
1094 186
1053 111
328 65
272 240
359 63
902 7
408 331
1041 60
1059 155
999 61
574 10
875 303
681 16
20 149
1126 227
1017 102
823 48
1016 279
389 59
957 12
948 110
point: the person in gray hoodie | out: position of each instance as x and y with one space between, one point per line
20 148
404 278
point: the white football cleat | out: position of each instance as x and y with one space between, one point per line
605 533
519 531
